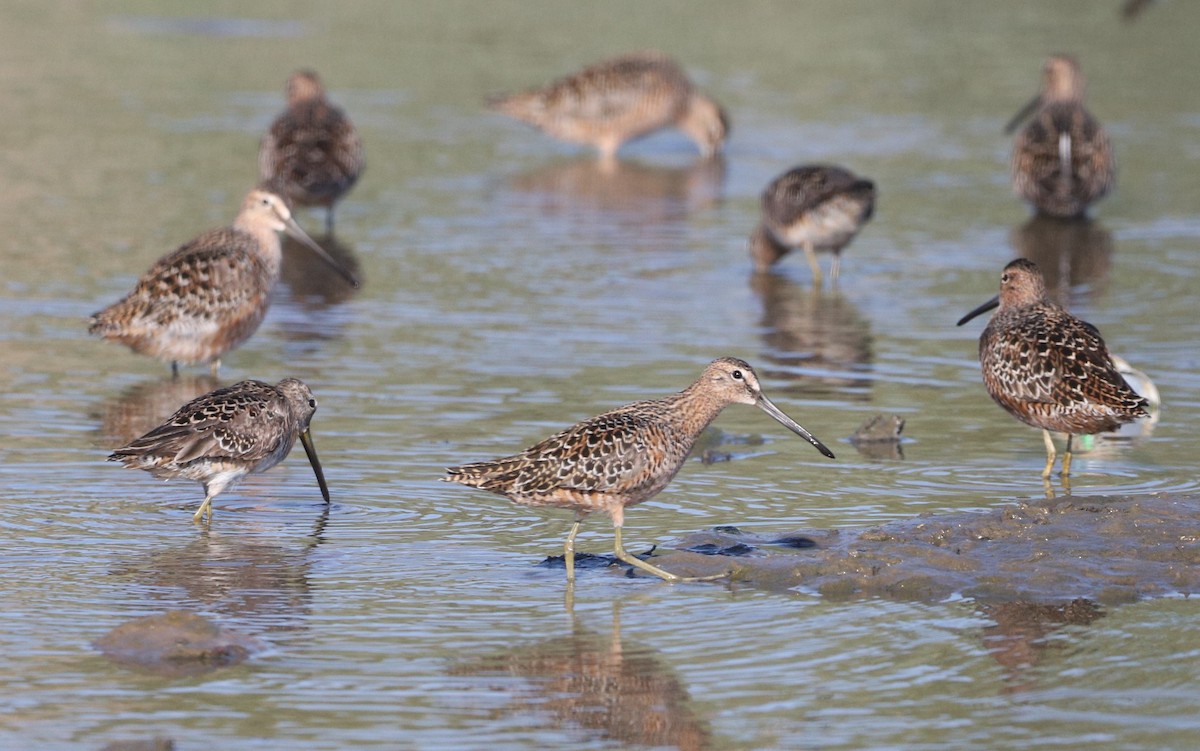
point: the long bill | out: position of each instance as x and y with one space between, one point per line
293 230
993 303
1023 113
306 439
766 406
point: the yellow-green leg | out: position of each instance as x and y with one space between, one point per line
835 268
1066 467
636 562
569 550
214 367
1050 453
206 506
811 255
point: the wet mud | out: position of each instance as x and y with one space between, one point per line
1102 549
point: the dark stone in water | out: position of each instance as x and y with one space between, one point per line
879 438
592 560
710 548
798 542
175 644
879 429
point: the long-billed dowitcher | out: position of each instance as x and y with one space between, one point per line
624 456
815 207
617 100
1048 368
211 294
312 153
219 438
1062 160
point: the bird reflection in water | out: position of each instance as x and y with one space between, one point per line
239 578
1075 255
625 693
819 338
1023 635
626 194
144 406
306 313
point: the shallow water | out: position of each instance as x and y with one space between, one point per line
512 287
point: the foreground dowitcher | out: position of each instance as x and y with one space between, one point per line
211 294
618 100
1062 160
219 438
816 208
1047 368
624 456
312 153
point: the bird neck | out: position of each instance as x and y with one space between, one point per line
266 245
697 409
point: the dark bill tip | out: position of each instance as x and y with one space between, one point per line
766 406
306 440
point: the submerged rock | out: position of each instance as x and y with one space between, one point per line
879 437
1108 550
176 643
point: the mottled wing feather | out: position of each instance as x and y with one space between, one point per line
1038 173
1056 359
615 453
209 277
634 93
241 422
314 151
1021 364
803 190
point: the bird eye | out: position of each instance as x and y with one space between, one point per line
312 403
737 375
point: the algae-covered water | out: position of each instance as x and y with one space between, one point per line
513 286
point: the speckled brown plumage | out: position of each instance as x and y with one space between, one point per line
1048 368
620 99
219 438
1062 160
813 207
312 153
210 295
624 456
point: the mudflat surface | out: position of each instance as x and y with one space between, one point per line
1106 549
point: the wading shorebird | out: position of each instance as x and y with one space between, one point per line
815 208
1062 160
312 153
624 456
1048 368
210 295
219 438
617 100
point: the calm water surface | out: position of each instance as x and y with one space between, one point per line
512 287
